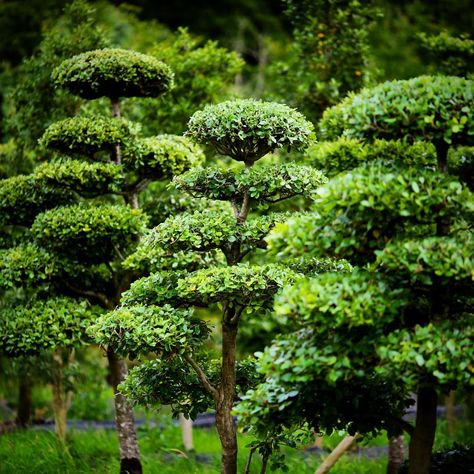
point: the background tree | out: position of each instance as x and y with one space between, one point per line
406 228
329 54
156 314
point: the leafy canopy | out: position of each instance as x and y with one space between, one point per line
212 229
92 233
265 183
430 108
89 135
44 325
163 156
248 129
113 73
358 212
22 197
135 330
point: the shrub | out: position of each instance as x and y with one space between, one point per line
87 136
431 108
113 73
248 129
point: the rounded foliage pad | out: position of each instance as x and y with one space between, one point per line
429 108
164 156
86 136
113 73
248 129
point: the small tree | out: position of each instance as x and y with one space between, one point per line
79 249
401 320
156 314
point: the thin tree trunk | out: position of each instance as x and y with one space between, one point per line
124 420
396 454
186 432
23 417
450 415
59 395
263 470
225 400
117 155
421 442
336 453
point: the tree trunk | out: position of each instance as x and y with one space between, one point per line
124 420
59 395
422 439
225 400
186 432
396 454
336 453
23 417
450 415
117 154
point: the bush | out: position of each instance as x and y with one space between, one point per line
113 73
248 129
164 156
266 183
23 197
344 154
425 108
87 136
91 233
44 325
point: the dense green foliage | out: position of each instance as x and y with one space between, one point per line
163 157
22 197
360 211
93 233
88 135
264 183
142 329
246 130
345 154
452 55
44 325
113 73
434 109
330 52
212 229
87 179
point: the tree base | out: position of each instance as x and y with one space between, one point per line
130 466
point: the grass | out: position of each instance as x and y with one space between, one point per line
37 451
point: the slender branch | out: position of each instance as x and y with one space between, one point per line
235 209
249 460
141 185
91 294
116 114
244 210
202 376
118 252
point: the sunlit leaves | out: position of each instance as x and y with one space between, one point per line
248 129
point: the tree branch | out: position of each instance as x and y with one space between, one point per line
202 376
91 294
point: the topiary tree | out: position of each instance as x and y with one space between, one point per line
402 320
79 249
157 312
